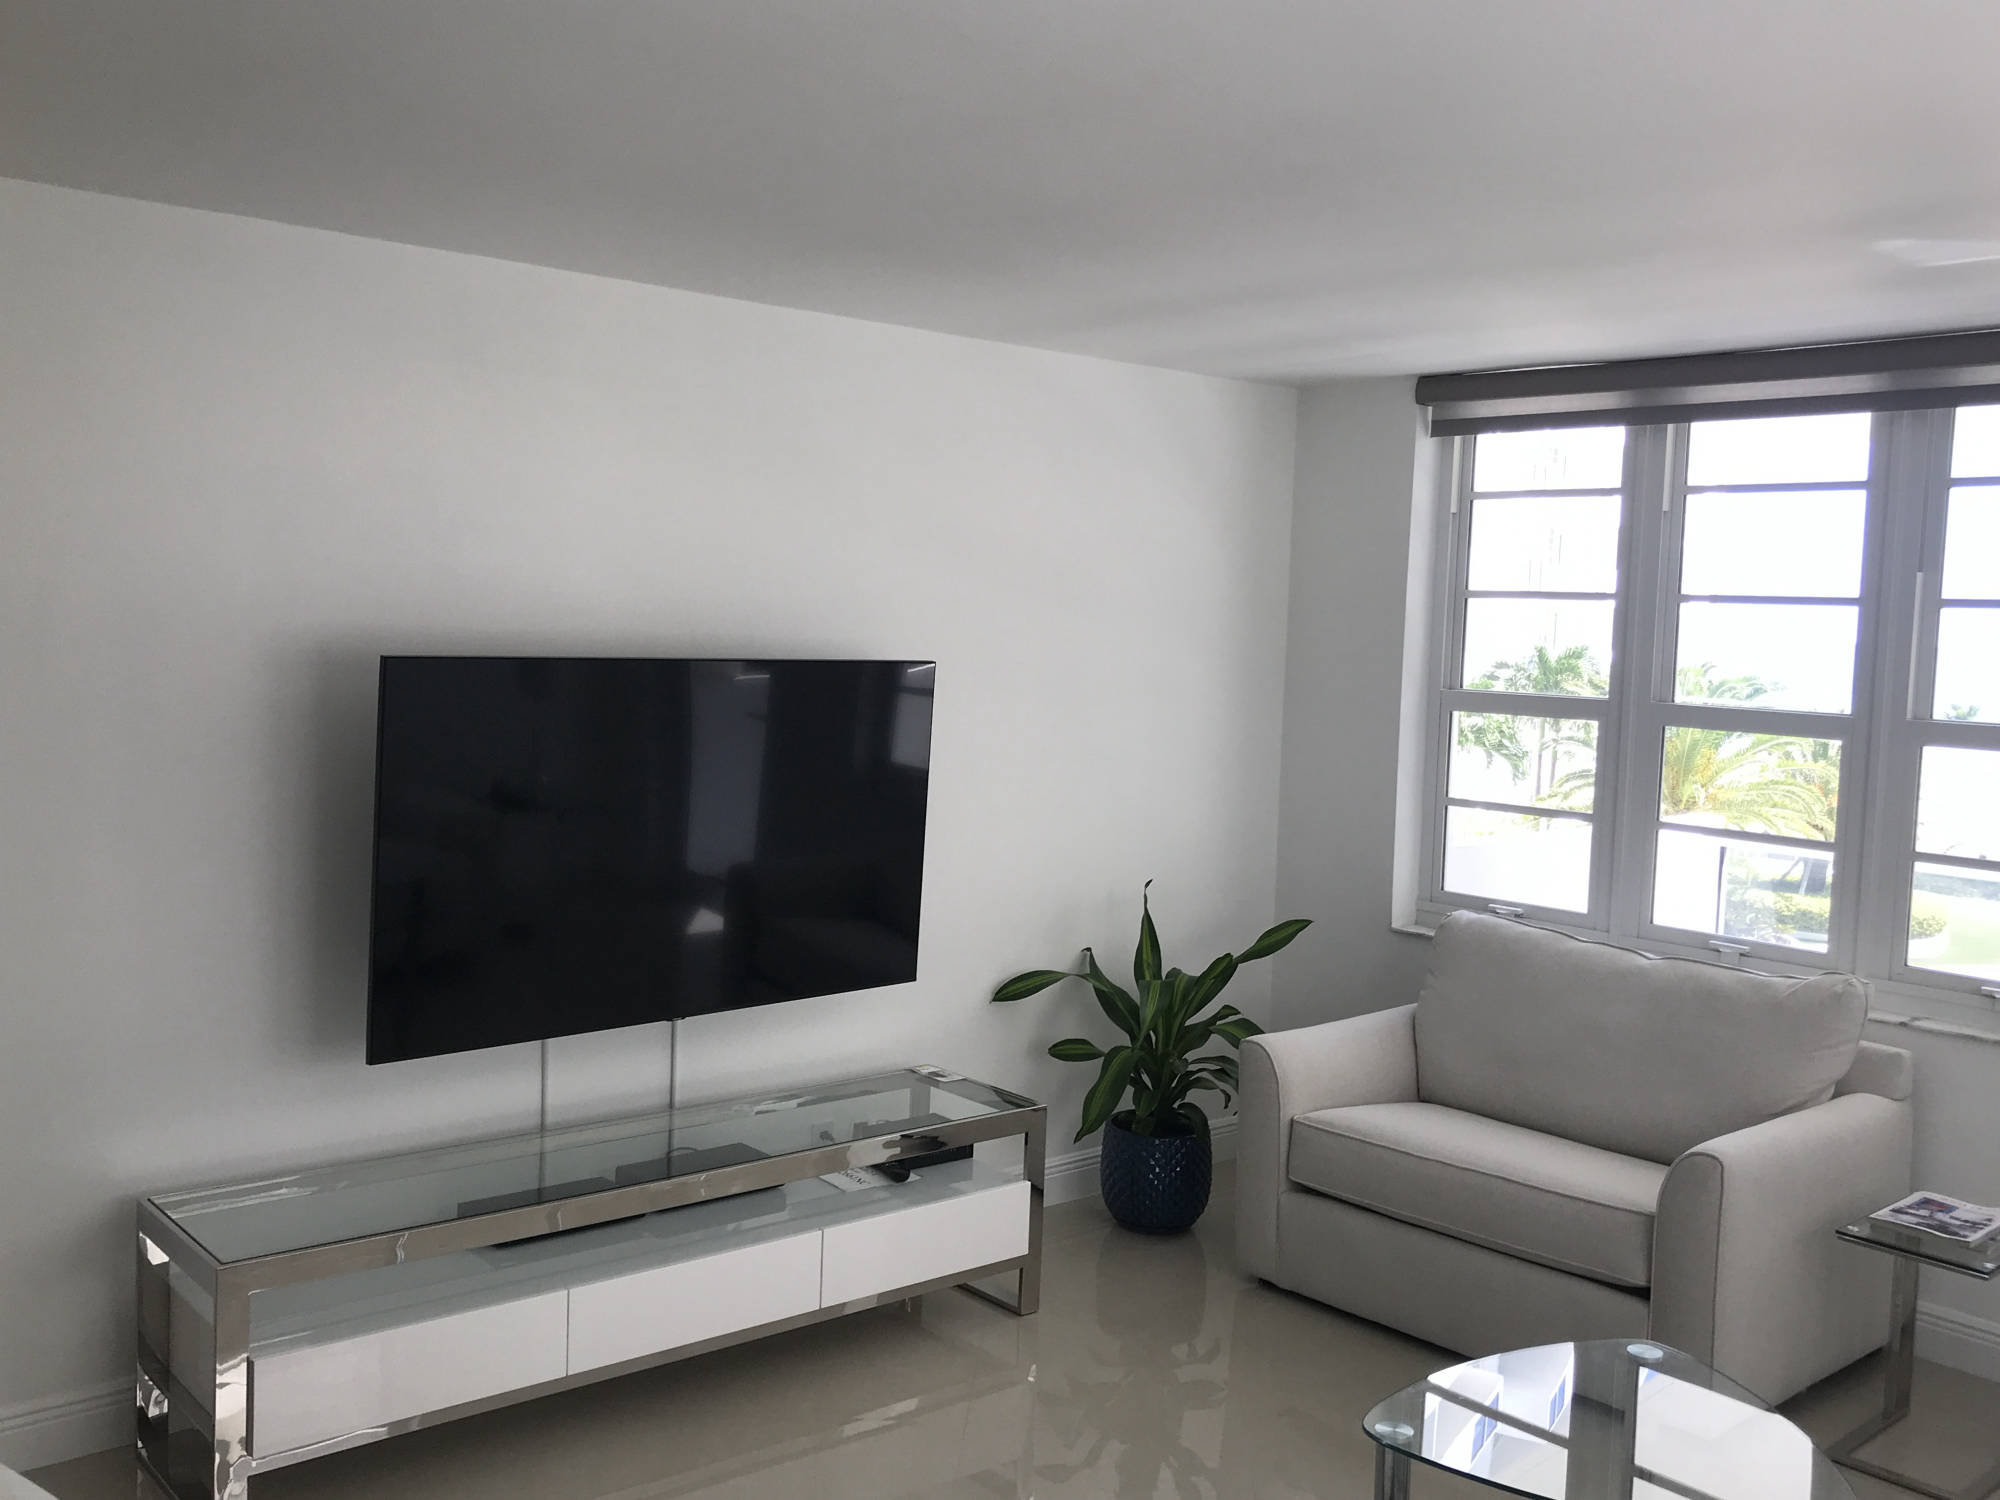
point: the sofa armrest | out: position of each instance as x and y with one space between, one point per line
1888 1071
1747 1274
1369 1059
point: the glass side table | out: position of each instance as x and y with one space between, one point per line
1607 1420
1911 1250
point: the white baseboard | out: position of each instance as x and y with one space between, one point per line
56 1428
1074 1175
1947 1336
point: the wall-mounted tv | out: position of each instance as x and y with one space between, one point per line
572 844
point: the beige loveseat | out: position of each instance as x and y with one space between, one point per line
1564 1140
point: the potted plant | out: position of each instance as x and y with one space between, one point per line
1156 1164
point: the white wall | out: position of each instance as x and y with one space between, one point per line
1357 471
239 460
1363 482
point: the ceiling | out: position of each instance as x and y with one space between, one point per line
1287 189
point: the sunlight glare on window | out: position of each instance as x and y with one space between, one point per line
1967 687
1553 646
1565 458
1958 811
1803 542
1779 450
1512 857
1972 543
1564 543
1975 443
1785 656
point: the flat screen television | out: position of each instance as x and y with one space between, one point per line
570 844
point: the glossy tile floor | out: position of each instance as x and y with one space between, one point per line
1155 1371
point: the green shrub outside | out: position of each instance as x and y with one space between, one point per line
1782 914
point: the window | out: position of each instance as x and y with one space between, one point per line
1729 686
1537 606
1949 928
1764 541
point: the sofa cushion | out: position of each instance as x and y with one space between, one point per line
1643 1056
1537 1196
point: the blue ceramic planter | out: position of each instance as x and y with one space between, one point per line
1156 1184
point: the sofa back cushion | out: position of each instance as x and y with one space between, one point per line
1644 1056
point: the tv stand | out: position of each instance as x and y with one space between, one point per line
297 1316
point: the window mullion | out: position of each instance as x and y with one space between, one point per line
1656 454
1447 659
1537 705
1914 554
1920 455
1887 450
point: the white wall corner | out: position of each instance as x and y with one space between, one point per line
1365 476
1430 478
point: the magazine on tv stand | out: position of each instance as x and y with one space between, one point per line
1943 1215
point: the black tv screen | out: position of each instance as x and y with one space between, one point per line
566 844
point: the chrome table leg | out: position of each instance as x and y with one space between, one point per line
1392 1474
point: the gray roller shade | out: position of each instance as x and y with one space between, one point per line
1950 369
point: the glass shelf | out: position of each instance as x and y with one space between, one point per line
394 1194
1981 1260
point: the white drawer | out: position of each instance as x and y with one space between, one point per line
868 1256
321 1391
668 1307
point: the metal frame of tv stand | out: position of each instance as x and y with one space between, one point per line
199 1446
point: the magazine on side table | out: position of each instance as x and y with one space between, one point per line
1943 1215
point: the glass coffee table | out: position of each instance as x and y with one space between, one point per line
1616 1418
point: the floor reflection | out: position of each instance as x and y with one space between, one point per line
1137 1410
1155 1371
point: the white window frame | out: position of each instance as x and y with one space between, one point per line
1906 734
1449 695
1655 711
1882 737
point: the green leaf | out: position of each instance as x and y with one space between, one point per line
1075 1049
1198 1081
1167 1034
1237 1030
1031 983
1228 1022
1214 979
1195 1119
1109 1091
1146 957
1216 1065
1115 1003
1275 938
